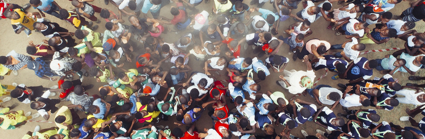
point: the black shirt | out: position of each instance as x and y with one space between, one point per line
52 28
142 22
419 11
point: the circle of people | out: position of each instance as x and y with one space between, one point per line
216 38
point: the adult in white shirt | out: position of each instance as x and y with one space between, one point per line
415 97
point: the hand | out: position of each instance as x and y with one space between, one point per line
128 59
305 58
281 77
97 80
184 84
120 65
80 10
320 57
333 20
349 88
71 33
45 41
32 43
208 73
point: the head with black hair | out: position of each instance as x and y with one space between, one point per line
35 3
80 34
109 25
270 19
392 33
155 2
291 124
359 47
174 11
66 85
281 102
77 66
337 122
57 136
371 64
277 60
327 6
395 86
260 24
179 117
394 1
364 133
31 50
202 83
408 26
261 75
74 133
357 8
165 49
60 119
54 41
64 14
238 6
17 92
39 26
407 134
334 96
389 135
373 117
274 43
255 87
216 94
386 16
271 107
305 112
132 5
240 28
104 13
365 102
126 106
72 51
123 77
392 102
90 122
247 62
220 114
238 100
267 36
78 90
95 72
321 49
299 38
77 4
194 93
177 132
165 107
104 91
94 109
212 28
221 19
233 127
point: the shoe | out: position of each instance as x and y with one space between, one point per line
411 84
338 33
415 78
14 84
37 128
90 24
98 21
54 87
333 28
295 56
404 118
88 87
106 2
341 85
52 94
305 134
335 77
320 132
94 27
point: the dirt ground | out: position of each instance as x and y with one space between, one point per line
18 42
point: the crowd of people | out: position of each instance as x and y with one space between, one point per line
226 40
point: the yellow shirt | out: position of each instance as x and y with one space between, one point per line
126 92
11 119
64 111
154 114
99 122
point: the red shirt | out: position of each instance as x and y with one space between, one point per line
220 125
216 85
225 109
42 50
3 7
187 135
180 17
147 55
265 46
67 91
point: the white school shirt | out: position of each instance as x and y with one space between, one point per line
214 65
350 27
257 18
305 15
352 54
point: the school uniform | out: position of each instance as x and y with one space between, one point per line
325 118
358 70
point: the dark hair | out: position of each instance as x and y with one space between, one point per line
103 92
156 2
87 123
271 107
126 106
72 51
261 75
165 48
212 26
74 133
389 135
183 41
305 112
52 42
398 1
267 36
270 19
177 132
203 82
79 34
285 11
113 128
53 136
366 102
273 43
150 108
233 127
77 66
221 19
78 90
221 114
321 49
394 102
240 26
194 93
93 54
67 84
132 5
33 105
364 132
104 13
361 47
15 93
277 60
258 87
406 134
64 14
334 96
60 119
410 24
300 37
326 6
109 25
75 3
260 24
138 115
121 75
340 121
165 107
373 64
392 33
174 11
239 100
92 109
374 117
35 24
423 60
291 124
243 122
396 87
306 23
179 117
215 92
31 50
387 15
249 60
35 2
238 4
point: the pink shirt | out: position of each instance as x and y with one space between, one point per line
161 28
317 43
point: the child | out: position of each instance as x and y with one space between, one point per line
216 63
276 62
184 41
89 36
412 45
212 34
351 28
221 6
235 49
109 15
39 50
344 13
351 49
390 63
47 6
300 28
238 65
88 10
103 75
403 28
259 68
198 52
48 29
180 19
373 18
238 11
76 20
378 36
268 15
257 39
259 24
17 17
116 29
211 49
294 41
223 25
61 43
308 13
12 119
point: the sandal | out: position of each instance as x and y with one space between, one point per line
338 33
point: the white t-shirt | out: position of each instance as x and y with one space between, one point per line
350 28
257 18
350 100
185 46
410 42
212 134
396 24
201 20
123 4
118 2
345 14
201 92
294 78
214 65
198 76
305 15
352 54
199 56
121 52
324 92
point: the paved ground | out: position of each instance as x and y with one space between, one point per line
18 42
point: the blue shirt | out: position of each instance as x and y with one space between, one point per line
422 124
147 5
264 100
238 65
246 87
102 108
45 69
358 70
265 13
363 117
46 5
259 66
300 119
262 120
330 61
382 98
377 36
283 118
237 91
385 127
84 134
133 101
